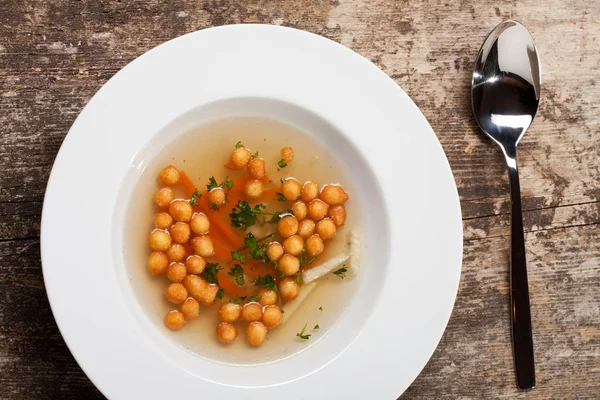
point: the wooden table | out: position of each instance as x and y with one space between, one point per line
54 55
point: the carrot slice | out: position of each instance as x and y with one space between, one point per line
228 286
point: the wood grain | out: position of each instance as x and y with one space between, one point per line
54 55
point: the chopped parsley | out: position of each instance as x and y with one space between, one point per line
277 215
280 197
195 197
266 281
236 255
305 260
243 216
321 308
282 163
238 300
239 144
316 327
255 155
210 272
220 293
302 335
299 277
282 180
253 298
257 251
341 272
213 207
238 273
212 184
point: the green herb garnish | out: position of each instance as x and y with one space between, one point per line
321 308
195 197
213 207
280 197
341 272
257 251
212 184
238 273
238 145
237 255
253 298
282 163
238 300
299 277
305 260
255 155
220 293
302 335
317 327
266 281
243 216
210 272
282 180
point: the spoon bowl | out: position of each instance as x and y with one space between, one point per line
505 93
505 89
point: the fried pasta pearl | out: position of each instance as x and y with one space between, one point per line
239 158
333 195
337 215
200 224
254 189
288 289
287 226
159 240
176 272
203 246
230 312
310 191
181 210
169 176
190 308
314 245
293 245
164 197
306 228
325 228
176 293
200 290
274 251
157 262
299 209
256 168
290 189
226 332
252 312
317 210
287 154
289 264
267 297
195 264
180 232
163 220
271 316
174 320
217 196
256 332
176 252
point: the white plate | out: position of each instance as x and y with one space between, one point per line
414 229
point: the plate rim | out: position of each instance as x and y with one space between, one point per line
45 211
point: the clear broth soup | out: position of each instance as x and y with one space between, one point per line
201 154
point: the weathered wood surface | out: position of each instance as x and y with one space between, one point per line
54 55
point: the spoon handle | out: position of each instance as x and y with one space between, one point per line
519 290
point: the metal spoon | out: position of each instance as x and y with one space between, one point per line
505 93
